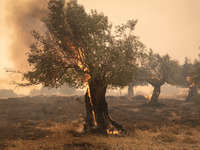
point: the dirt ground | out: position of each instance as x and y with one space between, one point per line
56 123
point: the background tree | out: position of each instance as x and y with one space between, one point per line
195 73
7 93
136 81
186 81
80 49
158 70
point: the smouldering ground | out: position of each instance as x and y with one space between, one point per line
56 123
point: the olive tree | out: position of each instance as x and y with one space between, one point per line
187 70
158 70
82 50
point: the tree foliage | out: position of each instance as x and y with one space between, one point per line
158 70
83 49
195 73
186 71
78 46
138 79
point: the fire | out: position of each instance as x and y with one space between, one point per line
109 132
192 85
115 132
188 79
89 95
154 77
112 131
80 57
149 96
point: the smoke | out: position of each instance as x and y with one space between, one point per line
23 17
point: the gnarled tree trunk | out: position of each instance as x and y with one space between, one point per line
192 92
97 110
155 95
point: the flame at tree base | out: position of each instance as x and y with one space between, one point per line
111 130
97 119
148 97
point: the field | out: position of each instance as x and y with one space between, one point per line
56 123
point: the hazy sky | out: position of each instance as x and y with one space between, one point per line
166 26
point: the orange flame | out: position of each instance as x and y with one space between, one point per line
89 95
111 131
188 79
115 132
149 96
80 57
192 85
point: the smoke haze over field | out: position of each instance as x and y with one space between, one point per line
18 18
165 26
23 17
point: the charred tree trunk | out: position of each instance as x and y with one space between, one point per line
192 92
130 90
97 117
89 113
155 95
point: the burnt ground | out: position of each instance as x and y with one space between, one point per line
42 122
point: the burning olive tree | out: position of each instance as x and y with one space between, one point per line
82 50
189 76
158 70
186 80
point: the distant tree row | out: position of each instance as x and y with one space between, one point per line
157 70
64 90
6 93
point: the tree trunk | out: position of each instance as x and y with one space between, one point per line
130 90
192 92
155 95
97 118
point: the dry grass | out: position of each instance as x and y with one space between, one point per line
56 123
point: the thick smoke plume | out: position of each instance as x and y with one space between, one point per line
24 16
